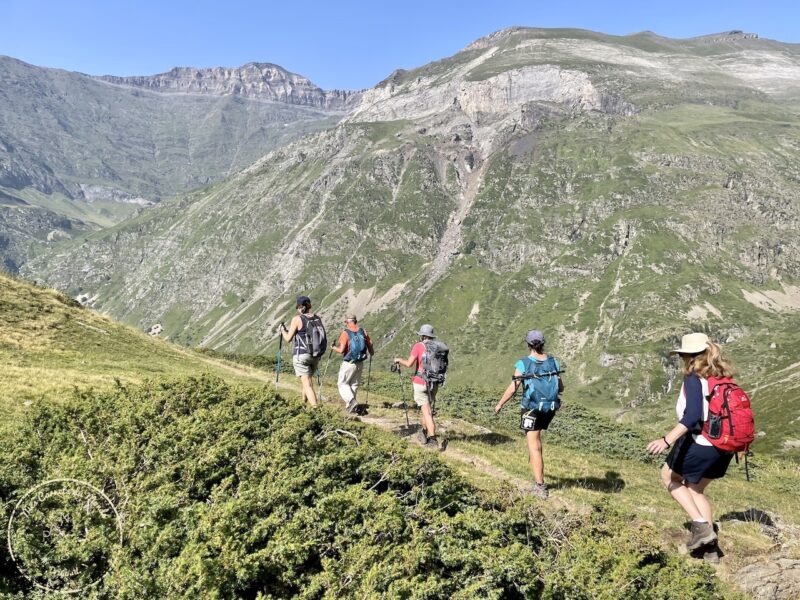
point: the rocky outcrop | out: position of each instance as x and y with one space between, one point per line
264 81
23 226
771 580
492 106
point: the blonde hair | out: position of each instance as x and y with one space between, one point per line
710 363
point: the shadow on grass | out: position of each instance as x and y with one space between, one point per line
490 437
612 482
750 515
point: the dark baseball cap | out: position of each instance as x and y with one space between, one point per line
303 301
534 335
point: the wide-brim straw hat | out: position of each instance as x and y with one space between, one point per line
692 343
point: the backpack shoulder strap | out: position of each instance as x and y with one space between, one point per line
528 362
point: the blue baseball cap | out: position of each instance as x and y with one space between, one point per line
303 301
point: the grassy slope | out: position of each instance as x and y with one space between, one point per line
591 461
49 346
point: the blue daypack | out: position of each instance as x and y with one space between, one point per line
540 385
357 346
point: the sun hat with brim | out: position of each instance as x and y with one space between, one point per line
427 331
692 343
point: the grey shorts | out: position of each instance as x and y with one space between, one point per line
421 394
304 364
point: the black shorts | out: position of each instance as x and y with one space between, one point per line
531 420
693 461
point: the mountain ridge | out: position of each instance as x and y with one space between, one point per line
254 79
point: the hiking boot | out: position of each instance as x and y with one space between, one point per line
702 534
540 490
431 442
710 553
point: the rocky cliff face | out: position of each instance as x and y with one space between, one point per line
616 192
264 81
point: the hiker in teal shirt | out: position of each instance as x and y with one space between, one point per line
540 376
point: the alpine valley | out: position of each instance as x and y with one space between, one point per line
615 192
78 153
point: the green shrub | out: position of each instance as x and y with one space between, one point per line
238 493
607 558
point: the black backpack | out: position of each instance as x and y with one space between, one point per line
316 339
433 367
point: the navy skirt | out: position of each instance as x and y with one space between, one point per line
694 461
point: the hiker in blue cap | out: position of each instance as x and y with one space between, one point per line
540 377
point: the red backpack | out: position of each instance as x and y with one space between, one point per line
729 426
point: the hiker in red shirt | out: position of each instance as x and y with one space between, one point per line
424 392
355 346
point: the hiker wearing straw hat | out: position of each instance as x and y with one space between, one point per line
694 461
429 358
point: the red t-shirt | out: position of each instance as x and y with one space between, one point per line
417 352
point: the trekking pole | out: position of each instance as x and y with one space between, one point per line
369 373
324 373
746 466
396 368
280 350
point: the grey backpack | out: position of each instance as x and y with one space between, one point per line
433 367
316 338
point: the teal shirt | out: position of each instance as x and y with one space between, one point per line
520 366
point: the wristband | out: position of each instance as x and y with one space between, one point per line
666 442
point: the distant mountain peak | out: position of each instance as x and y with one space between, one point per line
727 36
492 39
266 81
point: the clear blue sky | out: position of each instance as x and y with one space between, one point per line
343 44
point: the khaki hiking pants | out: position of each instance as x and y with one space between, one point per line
349 380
